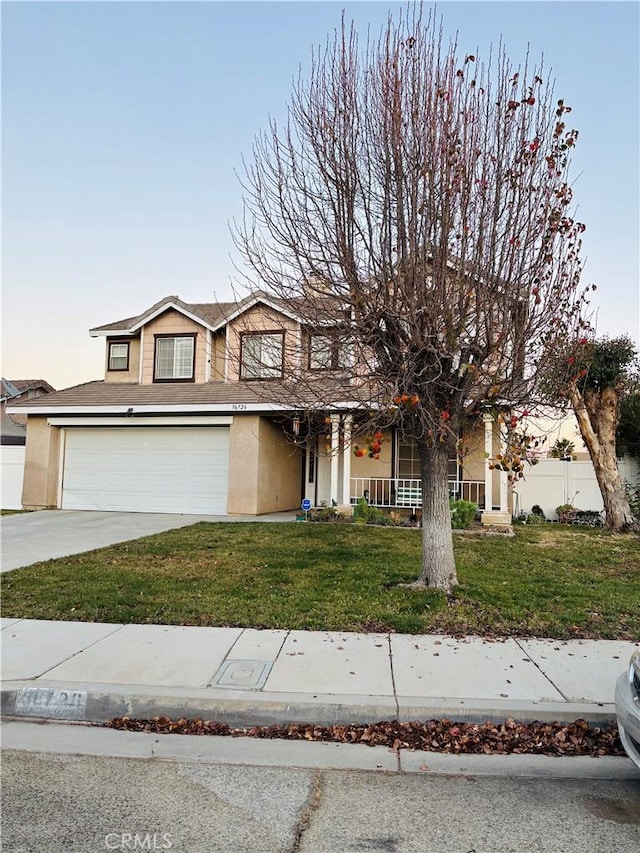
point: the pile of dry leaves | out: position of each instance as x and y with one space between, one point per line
577 738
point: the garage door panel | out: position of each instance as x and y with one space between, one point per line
147 469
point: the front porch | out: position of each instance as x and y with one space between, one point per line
397 493
335 476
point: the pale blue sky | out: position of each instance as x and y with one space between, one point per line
123 124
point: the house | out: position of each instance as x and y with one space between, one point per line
13 391
14 436
201 410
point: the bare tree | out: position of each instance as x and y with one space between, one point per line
423 197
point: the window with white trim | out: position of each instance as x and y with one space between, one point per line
174 358
119 355
262 355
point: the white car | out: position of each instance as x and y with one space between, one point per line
628 708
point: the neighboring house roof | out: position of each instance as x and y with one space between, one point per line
8 389
10 431
24 385
118 397
16 387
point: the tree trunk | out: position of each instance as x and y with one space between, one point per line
438 564
597 419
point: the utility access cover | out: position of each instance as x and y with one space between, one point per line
243 674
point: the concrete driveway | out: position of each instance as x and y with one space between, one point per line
34 536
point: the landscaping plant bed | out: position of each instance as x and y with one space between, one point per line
509 737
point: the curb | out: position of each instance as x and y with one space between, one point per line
77 739
96 703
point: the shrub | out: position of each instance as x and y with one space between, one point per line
325 513
565 512
586 518
536 509
365 514
462 513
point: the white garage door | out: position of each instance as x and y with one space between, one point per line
147 469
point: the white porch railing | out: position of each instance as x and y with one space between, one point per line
397 493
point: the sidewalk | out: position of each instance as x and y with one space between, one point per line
94 672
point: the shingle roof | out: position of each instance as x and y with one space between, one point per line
214 313
27 384
11 386
290 395
210 312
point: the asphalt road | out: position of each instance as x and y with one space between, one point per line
84 804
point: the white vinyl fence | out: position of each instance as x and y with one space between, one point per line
12 475
553 482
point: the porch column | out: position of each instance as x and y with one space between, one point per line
491 517
504 482
488 452
335 448
346 460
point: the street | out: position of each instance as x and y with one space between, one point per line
90 804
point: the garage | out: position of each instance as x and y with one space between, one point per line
147 469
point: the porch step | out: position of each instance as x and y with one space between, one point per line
496 518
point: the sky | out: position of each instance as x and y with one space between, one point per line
124 126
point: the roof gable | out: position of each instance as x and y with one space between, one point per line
16 387
250 301
212 315
204 314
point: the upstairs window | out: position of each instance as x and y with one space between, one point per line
262 355
324 353
175 358
119 355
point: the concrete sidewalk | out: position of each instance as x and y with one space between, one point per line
93 672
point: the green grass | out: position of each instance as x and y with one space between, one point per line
551 581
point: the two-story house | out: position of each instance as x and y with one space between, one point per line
201 410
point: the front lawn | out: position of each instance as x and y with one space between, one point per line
550 581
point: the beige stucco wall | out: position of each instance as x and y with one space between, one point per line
264 469
218 347
365 467
260 318
473 460
279 472
173 323
42 459
133 373
244 447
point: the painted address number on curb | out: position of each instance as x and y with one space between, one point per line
50 702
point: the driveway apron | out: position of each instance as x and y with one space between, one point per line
35 536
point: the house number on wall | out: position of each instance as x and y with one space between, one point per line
239 407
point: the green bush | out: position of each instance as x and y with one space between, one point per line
365 514
325 513
565 513
462 513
